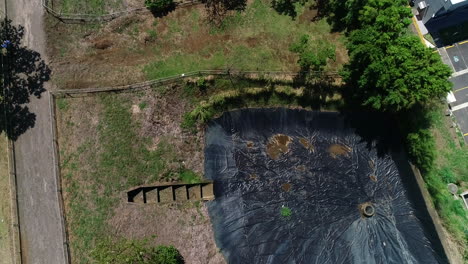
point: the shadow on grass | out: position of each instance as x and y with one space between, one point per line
157 12
24 74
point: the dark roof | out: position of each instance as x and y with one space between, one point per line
439 7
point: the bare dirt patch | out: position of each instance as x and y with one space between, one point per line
286 187
161 119
306 144
277 145
187 227
336 150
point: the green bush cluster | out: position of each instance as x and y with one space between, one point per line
421 149
126 251
285 211
313 55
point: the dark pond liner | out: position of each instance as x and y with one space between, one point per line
328 176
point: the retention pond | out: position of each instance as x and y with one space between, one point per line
294 186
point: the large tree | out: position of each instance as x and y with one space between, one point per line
394 75
355 14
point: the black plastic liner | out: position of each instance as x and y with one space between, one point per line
266 162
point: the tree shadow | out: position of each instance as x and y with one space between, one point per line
24 74
319 88
159 13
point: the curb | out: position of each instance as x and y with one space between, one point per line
415 23
58 181
14 225
433 214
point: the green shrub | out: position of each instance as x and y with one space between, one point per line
188 122
62 104
202 84
143 105
126 251
421 149
167 255
447 175
159 5
285 211
189 176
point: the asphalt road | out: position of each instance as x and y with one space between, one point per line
41 228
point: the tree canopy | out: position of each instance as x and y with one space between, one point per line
394 76
389 69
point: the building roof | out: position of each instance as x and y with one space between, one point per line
439 7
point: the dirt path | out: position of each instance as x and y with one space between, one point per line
39 214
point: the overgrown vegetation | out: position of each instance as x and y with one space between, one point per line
217 10
450 167
257 38
127 251
225 95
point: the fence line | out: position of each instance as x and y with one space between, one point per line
91 18
58 179
253 75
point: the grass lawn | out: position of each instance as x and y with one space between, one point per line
5 207
94 7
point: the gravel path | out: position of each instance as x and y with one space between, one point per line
39 212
